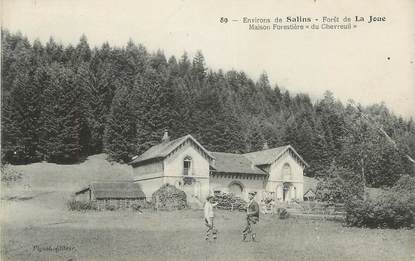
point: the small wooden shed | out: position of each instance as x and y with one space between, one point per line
310 188
309 195
117 194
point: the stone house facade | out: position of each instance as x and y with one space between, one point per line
273 173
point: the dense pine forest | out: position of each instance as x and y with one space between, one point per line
61 103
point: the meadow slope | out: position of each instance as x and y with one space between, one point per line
36 225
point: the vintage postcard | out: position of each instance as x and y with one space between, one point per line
207 130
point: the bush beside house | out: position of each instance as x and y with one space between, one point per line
168 197
394 208
76 205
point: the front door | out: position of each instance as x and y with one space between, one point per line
286 191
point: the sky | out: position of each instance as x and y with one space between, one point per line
372 63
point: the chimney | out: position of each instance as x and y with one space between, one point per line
265 147
166 137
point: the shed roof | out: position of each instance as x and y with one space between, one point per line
119 190
309 194
165 148
235 163
309 184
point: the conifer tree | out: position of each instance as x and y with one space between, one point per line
21 108
97 80
256 139
83 51
121 129
198 67
54 52
184 65
155 109
58 102
60 116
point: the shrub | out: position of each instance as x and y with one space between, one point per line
405 184
146 204
330 189
339 185
282 213
76 205
8 175
384 212
394 208
168 197
136 207
110 207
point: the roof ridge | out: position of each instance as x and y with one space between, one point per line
163 149
227 153
170 141
267 149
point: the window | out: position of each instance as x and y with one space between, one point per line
236 188
286 172
187 166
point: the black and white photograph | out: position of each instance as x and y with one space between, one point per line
207 130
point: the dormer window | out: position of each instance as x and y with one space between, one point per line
187 166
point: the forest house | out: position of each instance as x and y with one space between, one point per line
273 173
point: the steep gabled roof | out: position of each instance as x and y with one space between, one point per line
266 157
115 190
163 149
234 163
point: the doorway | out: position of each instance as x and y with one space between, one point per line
286 191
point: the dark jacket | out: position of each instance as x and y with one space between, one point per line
253 209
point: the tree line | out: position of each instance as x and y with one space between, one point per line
62 103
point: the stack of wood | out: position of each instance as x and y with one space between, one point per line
229 202
168 197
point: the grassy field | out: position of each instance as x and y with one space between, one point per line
180 236
35 225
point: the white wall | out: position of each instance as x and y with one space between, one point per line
276 178
221 182
148 170
153 175
296 169
173 171
198 189
149 176
173 165
149 186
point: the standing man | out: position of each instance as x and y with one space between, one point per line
209 215
252 217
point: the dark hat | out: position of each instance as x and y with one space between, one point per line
252 193
209 197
